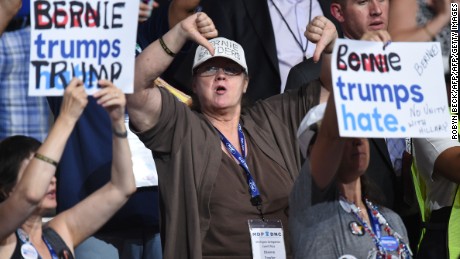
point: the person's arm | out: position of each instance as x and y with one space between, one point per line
37 176
327 151
144 105
447 164
8 9
437 157
403 23
85 218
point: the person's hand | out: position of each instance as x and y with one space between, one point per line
75 100
145 10
323 33
380 36
199 27
112 99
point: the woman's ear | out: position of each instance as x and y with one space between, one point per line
246 83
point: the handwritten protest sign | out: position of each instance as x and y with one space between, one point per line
396 92
89 39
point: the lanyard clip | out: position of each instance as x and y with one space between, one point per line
256 201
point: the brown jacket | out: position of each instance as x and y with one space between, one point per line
187 154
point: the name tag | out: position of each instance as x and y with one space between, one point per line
267 239
389 243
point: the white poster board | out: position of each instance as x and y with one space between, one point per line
398 91
89 39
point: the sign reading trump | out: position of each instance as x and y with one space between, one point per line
398 91
90 40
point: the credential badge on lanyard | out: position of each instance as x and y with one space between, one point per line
28 251
267 238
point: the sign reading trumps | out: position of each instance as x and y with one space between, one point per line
89 39
397 91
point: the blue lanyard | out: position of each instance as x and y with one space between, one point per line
403 249
50 248
375 224
255 195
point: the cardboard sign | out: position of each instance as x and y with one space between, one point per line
398 91
89 39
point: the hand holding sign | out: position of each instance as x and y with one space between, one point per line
379 36
89 40
112 99
381 93
75 100
323 33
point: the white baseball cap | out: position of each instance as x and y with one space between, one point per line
222 48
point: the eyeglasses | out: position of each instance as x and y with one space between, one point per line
231 70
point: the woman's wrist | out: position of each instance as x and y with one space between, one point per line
119 129
66 120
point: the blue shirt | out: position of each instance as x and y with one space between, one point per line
20 114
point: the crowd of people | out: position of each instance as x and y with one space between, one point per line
236 161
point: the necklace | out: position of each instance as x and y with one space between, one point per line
393 241
299 42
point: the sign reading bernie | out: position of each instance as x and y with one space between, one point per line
89 40
398 91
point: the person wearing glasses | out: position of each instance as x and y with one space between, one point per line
221 167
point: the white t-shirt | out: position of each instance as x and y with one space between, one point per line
145 171
439 190
296 13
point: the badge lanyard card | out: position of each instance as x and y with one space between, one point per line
267 238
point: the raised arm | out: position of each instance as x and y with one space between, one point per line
447 164
144 105
438 157
327 150
403 23
82 220
326 154
35 181
8 9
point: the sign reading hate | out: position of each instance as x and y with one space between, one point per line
90 40
398 91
